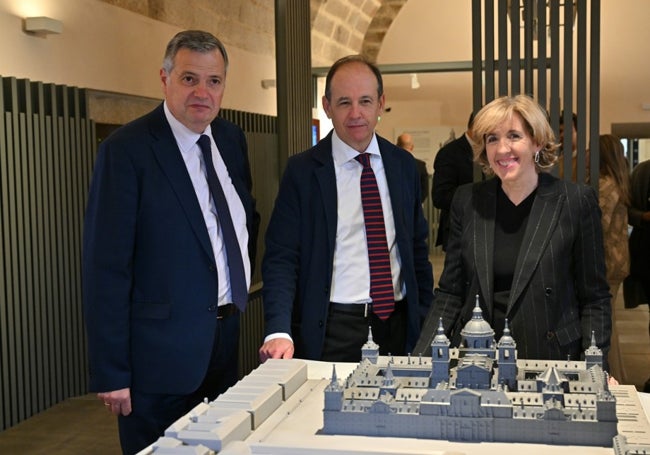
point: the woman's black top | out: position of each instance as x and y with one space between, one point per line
510 225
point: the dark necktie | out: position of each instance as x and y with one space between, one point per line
238 287
381 280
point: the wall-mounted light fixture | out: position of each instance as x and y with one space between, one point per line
42 25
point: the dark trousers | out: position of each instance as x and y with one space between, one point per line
153 413
347 332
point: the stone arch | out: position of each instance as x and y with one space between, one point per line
379 26
338 27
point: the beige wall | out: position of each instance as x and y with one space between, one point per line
440 31
103 47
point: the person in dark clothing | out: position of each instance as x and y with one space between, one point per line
405 141
452 167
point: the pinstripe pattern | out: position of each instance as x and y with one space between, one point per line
381 281
559 293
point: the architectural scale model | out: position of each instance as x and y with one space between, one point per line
478 392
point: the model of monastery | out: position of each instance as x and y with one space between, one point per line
480 391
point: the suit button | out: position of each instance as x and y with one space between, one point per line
320 324
212 308
550 335
548 291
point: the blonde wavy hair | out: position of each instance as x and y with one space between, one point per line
535 122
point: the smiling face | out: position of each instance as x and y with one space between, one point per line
510 151
354 105
194 87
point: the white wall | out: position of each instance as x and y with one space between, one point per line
107 48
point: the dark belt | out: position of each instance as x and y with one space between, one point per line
360 309
224 311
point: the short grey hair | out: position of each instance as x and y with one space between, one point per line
194 40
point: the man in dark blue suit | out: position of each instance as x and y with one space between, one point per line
158 294
319 289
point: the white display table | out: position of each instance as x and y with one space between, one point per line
294 427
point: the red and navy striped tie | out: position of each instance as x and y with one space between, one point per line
381 281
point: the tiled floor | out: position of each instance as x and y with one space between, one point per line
82 426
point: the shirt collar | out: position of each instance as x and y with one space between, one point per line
185 138
342 152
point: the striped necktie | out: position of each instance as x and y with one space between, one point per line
381 280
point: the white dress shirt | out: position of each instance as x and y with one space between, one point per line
351 268
193 158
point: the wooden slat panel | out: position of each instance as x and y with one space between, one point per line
4 270
553 41
46 151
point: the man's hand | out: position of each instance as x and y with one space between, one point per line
117 402
277 348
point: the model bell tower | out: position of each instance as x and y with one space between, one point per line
439 357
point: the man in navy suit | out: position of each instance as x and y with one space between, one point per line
162 329
317 291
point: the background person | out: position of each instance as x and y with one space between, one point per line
614 200
452 167
636 287
529 245
405 141
159 292
320 286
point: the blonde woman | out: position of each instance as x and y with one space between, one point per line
528 244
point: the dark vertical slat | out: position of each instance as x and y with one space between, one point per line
11 255
502 18
528 46
75 251
51 284
515 41
594 95
477 60
581 91
489 50
64 223
37 233
554 103
39 276
567 95
24 252
541 54
5 391
27 255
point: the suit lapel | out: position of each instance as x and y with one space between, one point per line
326 178
395 179
484 208
171 162
543 218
